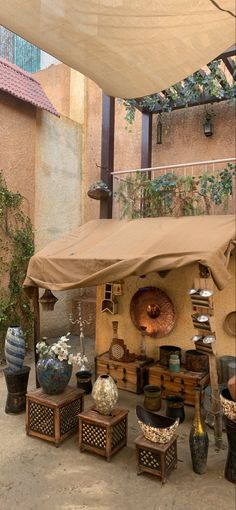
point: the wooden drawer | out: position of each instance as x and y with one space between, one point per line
183 382
128 376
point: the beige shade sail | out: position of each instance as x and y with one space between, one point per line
129 47
107 250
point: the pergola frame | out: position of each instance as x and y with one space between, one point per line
108 130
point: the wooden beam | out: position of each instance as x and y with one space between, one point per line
230 64
107 151
36 327
146 144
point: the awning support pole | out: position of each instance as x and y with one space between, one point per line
36 327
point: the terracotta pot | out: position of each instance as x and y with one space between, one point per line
232 387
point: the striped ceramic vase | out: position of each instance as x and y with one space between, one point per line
14 348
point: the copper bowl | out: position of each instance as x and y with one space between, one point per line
156 428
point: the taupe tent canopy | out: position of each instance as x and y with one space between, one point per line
130 48
107 250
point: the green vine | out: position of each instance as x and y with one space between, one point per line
172 195
16 248
185 92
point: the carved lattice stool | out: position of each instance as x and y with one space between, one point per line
104 435
53 417
155 458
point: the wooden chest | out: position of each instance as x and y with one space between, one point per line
130 376
182 382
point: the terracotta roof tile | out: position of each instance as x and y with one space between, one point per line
21 84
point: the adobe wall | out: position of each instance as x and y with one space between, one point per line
58 191
183 139
175 284
17 148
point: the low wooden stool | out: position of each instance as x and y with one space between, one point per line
53 417
104 435
155 458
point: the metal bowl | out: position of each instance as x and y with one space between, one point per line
156 428
206 293
196 338
209 339
203 318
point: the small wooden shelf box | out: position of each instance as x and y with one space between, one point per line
155 458
100 434
53 417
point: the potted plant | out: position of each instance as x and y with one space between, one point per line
54 367
99 190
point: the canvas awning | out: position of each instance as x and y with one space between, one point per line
130 48
106 250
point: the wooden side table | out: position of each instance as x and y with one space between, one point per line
155 458
53 417
104 435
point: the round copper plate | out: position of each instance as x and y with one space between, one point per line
230 323
151 308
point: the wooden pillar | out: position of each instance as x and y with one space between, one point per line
36 327
146 145
107 151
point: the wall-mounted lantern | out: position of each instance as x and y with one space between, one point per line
207 125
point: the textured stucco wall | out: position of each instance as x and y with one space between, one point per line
17 147
55 81
183 138
58 192
176 285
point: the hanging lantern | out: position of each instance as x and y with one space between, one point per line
48 300
207 126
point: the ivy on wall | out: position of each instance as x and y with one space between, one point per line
172 195
16 248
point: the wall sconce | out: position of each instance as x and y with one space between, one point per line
159 130
207 125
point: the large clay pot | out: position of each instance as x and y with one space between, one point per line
53 375
105 394
14 348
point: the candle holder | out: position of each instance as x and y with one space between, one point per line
81 322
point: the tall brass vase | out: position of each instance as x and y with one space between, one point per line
198 439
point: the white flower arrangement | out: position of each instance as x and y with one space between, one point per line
61 351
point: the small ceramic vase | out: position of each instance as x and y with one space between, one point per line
105 394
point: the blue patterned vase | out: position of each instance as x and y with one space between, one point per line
53 375
14 348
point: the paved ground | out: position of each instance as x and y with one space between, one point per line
34 475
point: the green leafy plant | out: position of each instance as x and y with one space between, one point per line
16 248
172 195
190 90
99 185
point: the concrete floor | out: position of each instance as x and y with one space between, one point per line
34 475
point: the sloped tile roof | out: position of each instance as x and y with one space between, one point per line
21 84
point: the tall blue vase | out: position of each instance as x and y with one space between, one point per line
53 375
14 348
